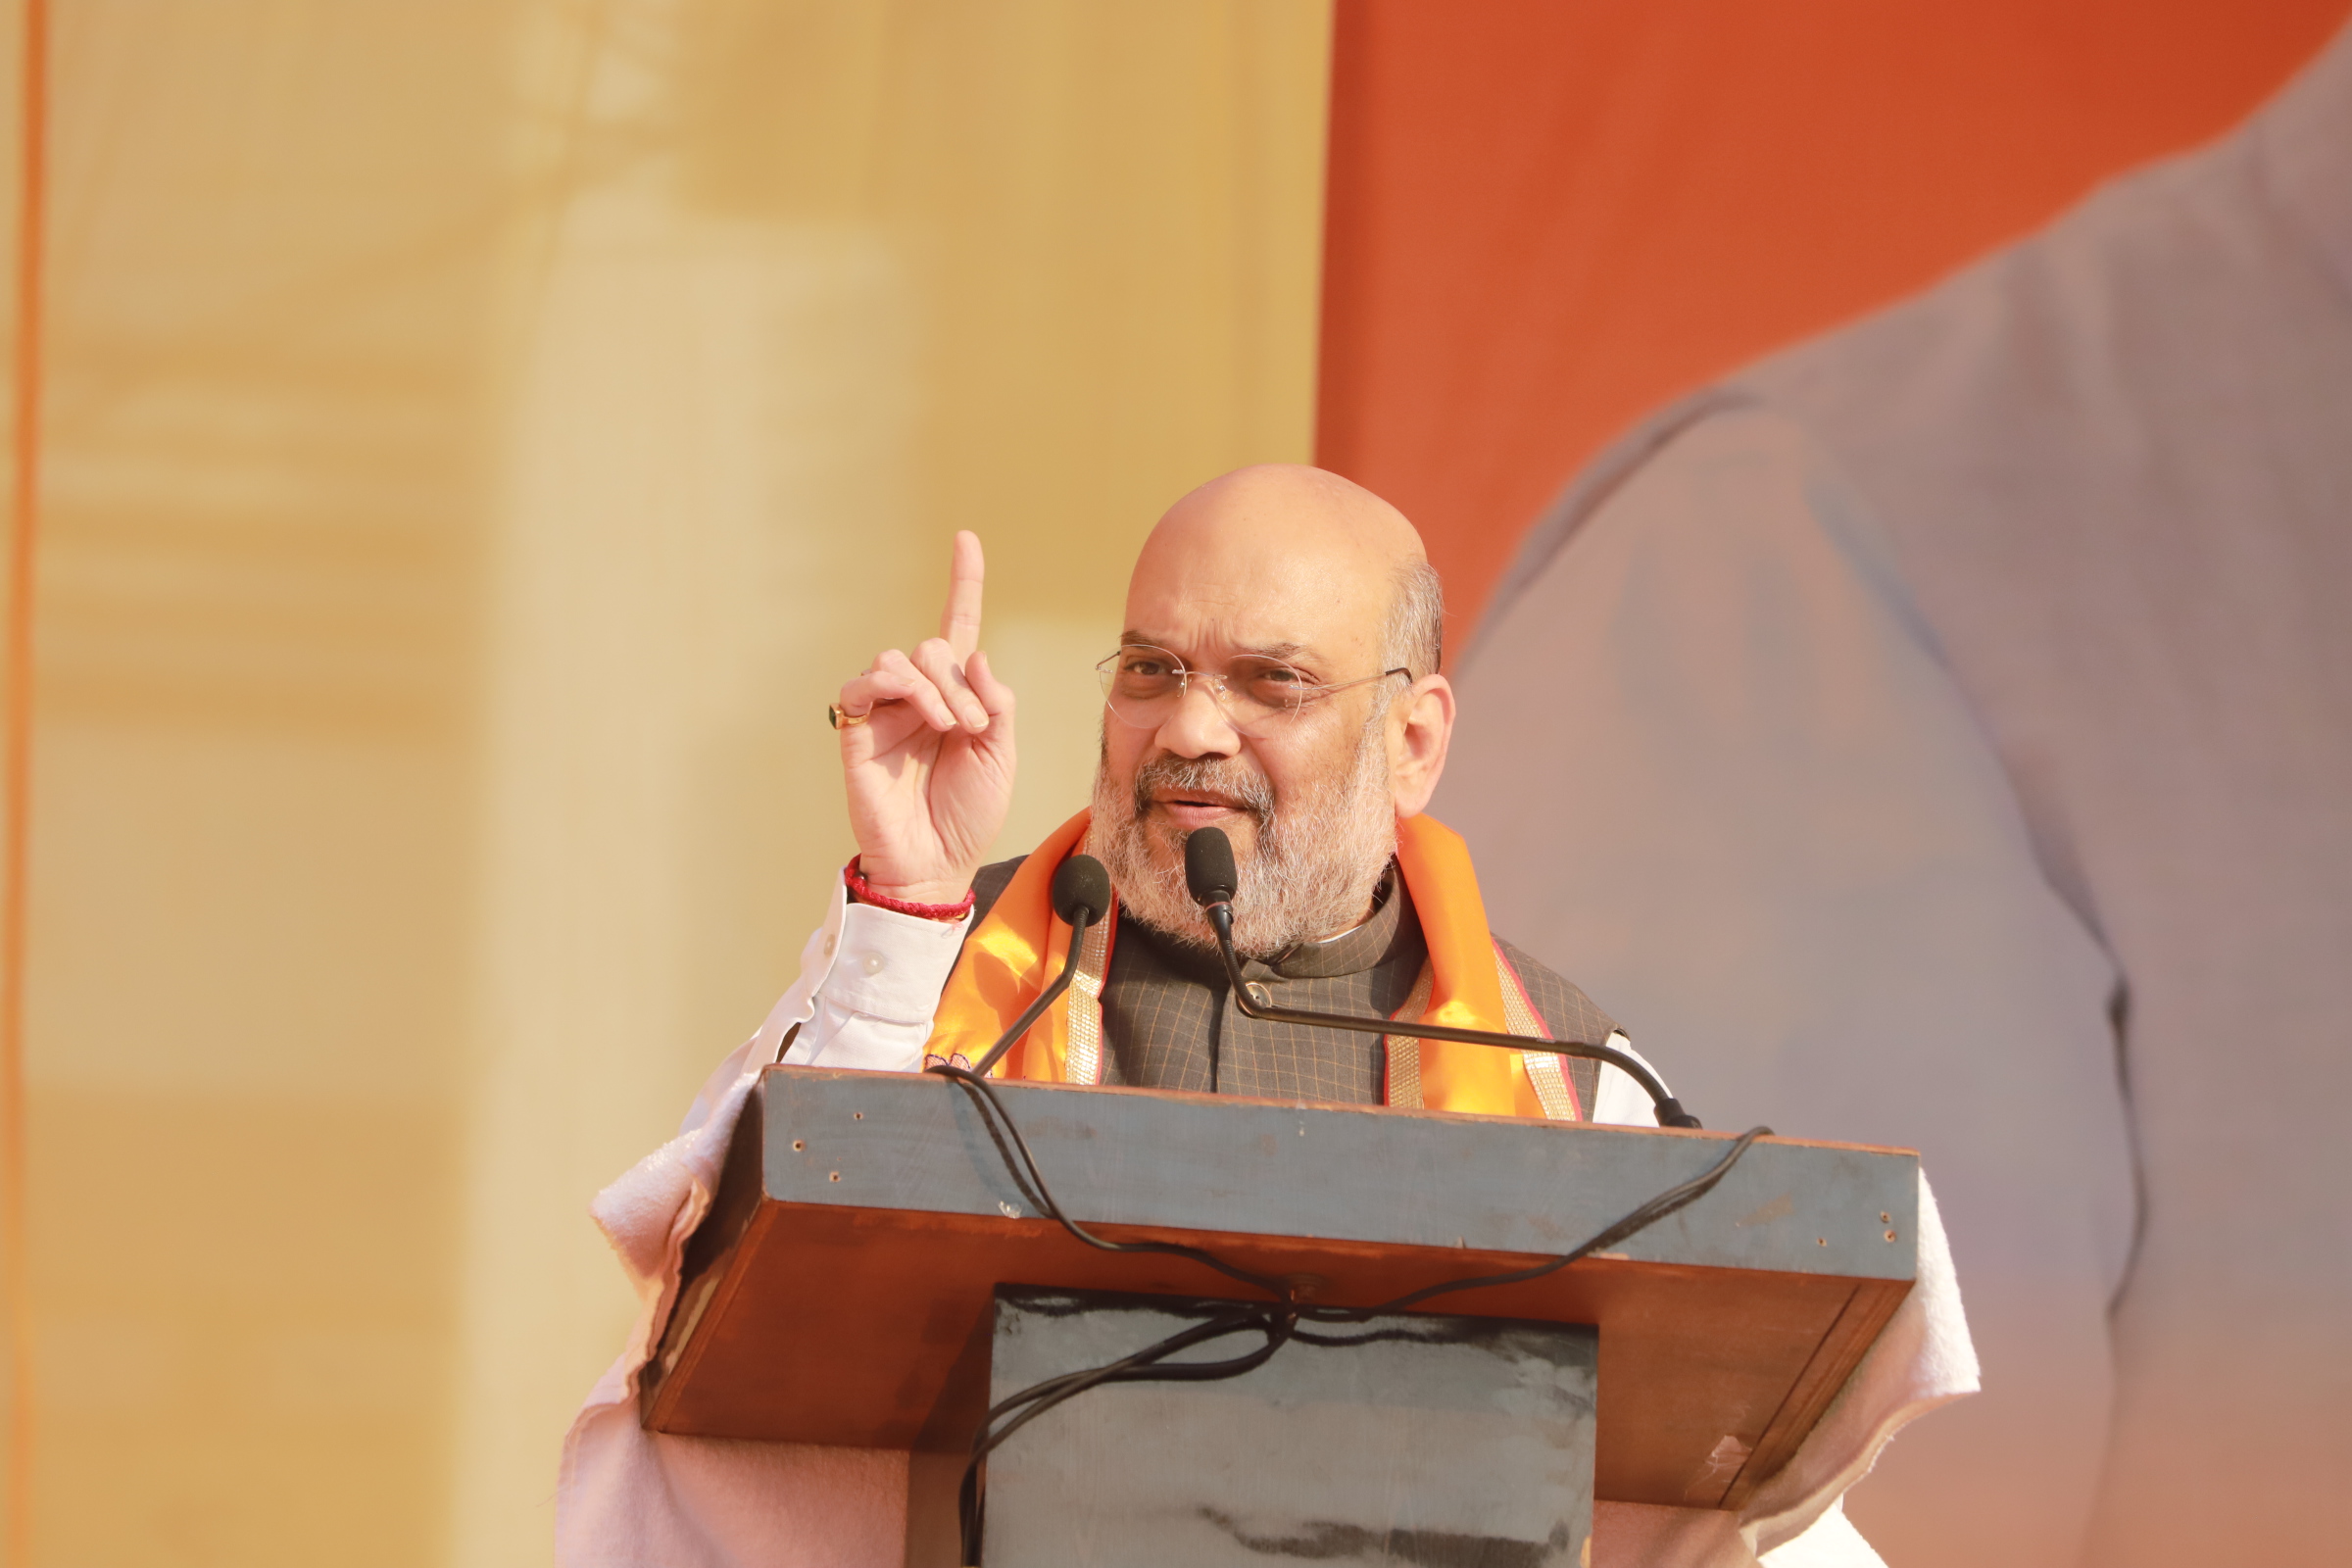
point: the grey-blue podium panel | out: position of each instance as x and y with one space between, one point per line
1442 1442
866 1219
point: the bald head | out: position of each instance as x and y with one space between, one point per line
1284 556
1301 596
1308 512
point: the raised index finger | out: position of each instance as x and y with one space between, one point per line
960 623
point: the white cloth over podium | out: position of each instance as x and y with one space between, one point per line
630 1498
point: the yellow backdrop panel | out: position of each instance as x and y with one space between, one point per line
482 435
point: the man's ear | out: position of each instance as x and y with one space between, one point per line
1420 729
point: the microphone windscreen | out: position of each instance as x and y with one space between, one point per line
1081 883
1208 873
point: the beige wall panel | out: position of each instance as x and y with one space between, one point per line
274 236
481 438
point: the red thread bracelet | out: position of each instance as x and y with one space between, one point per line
855 880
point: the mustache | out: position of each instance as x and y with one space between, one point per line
1224 776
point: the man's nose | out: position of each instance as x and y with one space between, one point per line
1199 726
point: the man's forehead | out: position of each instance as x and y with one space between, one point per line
1216 639
1265 600
1304 622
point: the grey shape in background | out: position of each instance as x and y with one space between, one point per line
1941 735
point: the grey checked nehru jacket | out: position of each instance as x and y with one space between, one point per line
1169 1023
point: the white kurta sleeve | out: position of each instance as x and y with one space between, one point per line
875 1007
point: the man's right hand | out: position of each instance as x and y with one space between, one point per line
930 772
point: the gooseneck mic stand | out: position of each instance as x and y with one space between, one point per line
1082 897
1210 876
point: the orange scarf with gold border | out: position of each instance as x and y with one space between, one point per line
1020 947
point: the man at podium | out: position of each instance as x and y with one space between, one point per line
1277 679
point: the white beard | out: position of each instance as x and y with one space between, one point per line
1315 866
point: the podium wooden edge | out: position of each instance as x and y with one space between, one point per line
740 1216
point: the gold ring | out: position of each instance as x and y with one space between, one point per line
841 720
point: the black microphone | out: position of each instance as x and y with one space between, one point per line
1210 878
1082 897
1208 873
1081 891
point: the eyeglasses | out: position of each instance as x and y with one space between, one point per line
1143 685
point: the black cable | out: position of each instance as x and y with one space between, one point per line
1641 1220
985 1096
1274 1318
1142 1366
1277 1319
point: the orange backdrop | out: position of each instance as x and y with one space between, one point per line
1546 218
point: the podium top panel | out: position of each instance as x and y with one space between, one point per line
865 1220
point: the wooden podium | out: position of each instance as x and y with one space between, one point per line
844 1289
